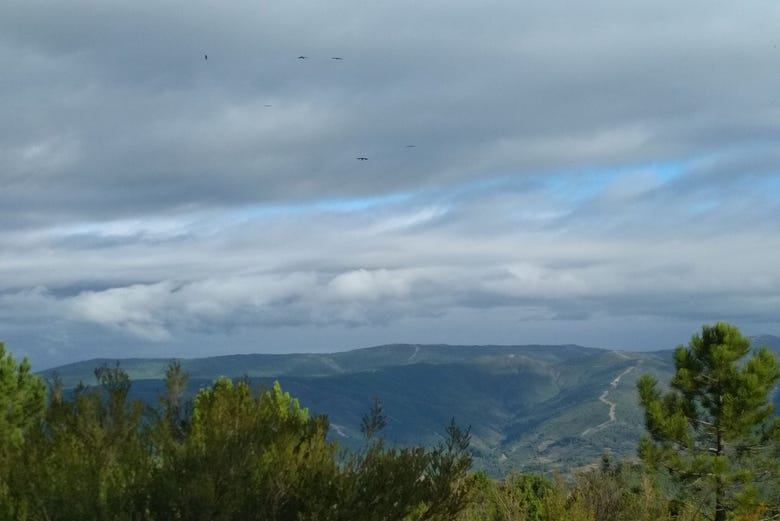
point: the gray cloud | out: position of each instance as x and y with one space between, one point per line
392 262
588 165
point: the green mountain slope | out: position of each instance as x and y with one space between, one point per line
530 407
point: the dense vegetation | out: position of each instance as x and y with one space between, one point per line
234 451
532 408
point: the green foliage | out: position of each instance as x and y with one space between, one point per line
609 492
407 483
713 428
621 492
22 405
238 452
22 401
174 409
525 497
246 456
235 453
447 476
381 483
374 420
522 497
567 504
87 460
515 397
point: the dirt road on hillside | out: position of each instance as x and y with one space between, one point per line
612 406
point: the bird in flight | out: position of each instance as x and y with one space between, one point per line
302 57
411 146
362 158
205 56
337 58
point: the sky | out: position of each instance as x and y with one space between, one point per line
175 181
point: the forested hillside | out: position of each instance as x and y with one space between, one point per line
529 407
236 449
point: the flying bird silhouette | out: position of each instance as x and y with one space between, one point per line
302 57
411 146
205 56
337 58
362 158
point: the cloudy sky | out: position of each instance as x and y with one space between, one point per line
604 173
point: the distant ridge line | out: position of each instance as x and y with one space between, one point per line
101 360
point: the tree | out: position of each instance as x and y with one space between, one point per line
710 429
22 405
22 400
176 411
373 421
384 482
447 475
521 497
87 459
621 491
245 455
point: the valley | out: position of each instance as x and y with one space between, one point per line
530 408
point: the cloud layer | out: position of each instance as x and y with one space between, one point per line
609 171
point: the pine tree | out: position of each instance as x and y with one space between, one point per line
373 421
22 405
711 428
22 400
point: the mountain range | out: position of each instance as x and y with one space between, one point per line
531 408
